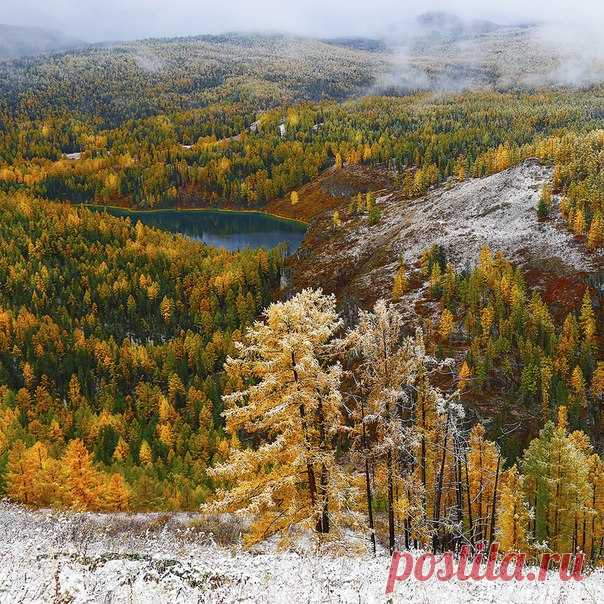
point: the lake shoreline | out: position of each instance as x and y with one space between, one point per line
127 211
220 228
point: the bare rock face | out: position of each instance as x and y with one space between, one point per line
498 211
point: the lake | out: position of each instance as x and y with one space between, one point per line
229 230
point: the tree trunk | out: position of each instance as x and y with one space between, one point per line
423 447
458 495
469 496
323 521
367 480
312 483
494 506
390 502
481 521
593 524
439 488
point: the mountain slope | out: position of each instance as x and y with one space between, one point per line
135 79
440 51
498 211
129 80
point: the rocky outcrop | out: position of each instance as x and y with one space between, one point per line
359 260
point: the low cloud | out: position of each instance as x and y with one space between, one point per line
128 19
565 37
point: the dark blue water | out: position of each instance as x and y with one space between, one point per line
229 230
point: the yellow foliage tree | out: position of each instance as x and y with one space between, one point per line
336 220
83 483
290 394
483 462
578 224
513 516
166 435
446 324
464 375
578 384
21 475
595 236
166 308
121 450
546 380
597 382
587 318
399 285
117 494
145 454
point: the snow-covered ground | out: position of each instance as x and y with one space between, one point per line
498 211
61 558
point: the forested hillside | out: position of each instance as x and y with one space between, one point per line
113 338
228 154
143 371
110 84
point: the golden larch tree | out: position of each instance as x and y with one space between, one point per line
287 390
83 483
513 516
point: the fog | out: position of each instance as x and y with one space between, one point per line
99 20
565 44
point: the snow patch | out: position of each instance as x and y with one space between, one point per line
82 558
498 211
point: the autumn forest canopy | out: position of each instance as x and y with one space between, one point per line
141 370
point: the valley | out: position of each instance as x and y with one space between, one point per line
276 306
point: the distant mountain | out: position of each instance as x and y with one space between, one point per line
357 43
128 80
16 42
447 25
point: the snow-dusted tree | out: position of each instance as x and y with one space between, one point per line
392 378
386 364
287 392
444 456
